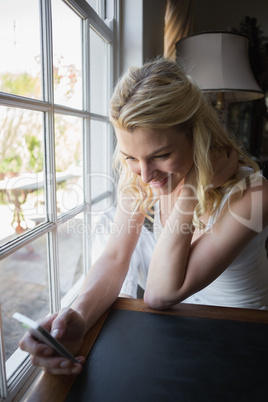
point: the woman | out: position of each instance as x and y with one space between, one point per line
210 204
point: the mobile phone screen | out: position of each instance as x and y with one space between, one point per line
40 333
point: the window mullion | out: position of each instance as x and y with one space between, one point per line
87 187
52 237
109 77
54 291
86 149
47 51
101 9
110 133
3 382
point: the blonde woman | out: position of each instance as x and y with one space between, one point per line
210 210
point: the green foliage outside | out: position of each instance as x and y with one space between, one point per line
21 131
19 151
22 84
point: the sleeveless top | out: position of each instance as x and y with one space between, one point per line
244 283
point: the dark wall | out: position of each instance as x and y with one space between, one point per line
212 15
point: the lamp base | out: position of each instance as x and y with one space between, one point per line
219 105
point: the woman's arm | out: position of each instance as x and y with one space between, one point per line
100 289
170 258
106 276
179 268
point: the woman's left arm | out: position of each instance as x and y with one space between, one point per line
180 268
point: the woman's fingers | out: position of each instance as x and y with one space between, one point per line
68 326
58 365
34 347
43 356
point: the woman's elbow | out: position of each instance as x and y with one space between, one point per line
156 302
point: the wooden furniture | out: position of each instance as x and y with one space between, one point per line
240 336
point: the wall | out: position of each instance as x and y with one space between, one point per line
142 24
210 15
142 31
153 28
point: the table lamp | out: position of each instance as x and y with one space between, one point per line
219 64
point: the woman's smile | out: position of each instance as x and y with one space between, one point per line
160 183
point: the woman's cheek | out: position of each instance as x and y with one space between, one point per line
133 167
174 167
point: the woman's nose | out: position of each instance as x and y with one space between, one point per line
146 172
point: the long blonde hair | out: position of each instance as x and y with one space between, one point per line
160 95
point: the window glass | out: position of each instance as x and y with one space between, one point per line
93 4
67 55
31 147
98 74
22 200
20 67
23 289
100 177
69 162
71 252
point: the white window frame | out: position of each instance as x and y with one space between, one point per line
18 373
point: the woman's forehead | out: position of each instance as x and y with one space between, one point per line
147 141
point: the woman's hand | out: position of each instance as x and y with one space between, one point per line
67 326
225 165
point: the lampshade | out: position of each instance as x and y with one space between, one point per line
218 62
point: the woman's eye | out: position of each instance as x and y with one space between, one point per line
162 156
129 158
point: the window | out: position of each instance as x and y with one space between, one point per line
55 159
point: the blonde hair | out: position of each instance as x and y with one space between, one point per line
160 95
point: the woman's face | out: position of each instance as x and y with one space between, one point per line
161 157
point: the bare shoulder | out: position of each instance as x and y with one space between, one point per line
249 200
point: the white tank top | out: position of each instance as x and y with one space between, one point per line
245 282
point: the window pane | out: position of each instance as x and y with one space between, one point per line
67 55
22 201
93 4
98 74
23 288
101 181
71 252
20 67
69 162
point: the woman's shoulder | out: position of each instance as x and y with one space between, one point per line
247 197
246 178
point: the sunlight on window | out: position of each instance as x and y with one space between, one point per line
69 162
44 143
98 74
22 200
71 252
23 288
20 67
100 179
67 55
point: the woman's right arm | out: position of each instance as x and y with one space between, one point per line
100 289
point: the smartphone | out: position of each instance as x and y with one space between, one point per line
40 333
